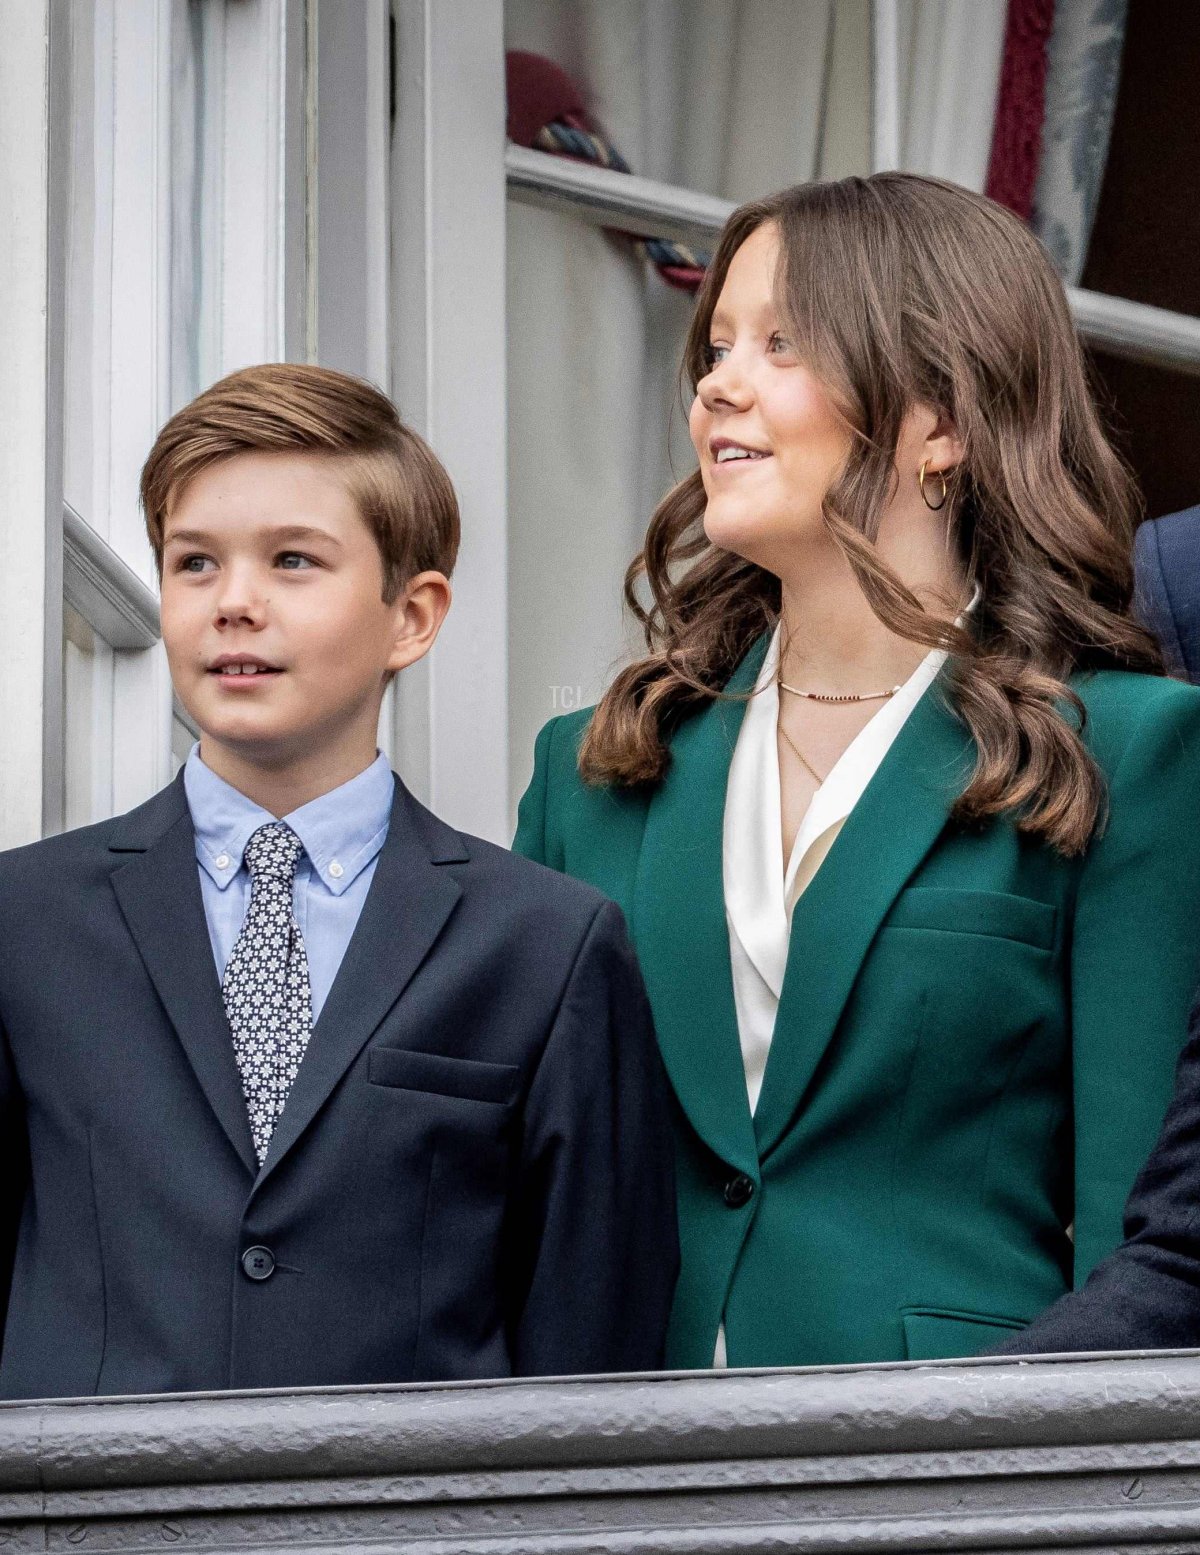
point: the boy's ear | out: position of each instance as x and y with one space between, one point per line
419 610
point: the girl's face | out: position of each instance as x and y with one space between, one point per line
769 438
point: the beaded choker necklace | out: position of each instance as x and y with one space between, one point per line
834 696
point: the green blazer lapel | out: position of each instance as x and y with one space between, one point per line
898 819
680 930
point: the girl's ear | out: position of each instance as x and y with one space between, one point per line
943 448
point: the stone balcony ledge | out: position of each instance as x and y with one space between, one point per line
1086 1453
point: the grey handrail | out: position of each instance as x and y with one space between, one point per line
602 197
1086 1453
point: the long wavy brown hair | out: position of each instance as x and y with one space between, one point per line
899 290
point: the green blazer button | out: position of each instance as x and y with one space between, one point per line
738 1191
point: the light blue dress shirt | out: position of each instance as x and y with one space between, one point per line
342 833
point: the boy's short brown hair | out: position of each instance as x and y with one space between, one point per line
401 490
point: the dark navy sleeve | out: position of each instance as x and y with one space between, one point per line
14 1169
594 1249
1167 594
1145 1295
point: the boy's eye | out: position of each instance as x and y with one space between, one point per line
196 563
294 561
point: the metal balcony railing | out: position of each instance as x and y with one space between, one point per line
604 198
1097 1453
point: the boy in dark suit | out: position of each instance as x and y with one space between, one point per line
299 1086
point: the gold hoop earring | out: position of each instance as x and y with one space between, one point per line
934 507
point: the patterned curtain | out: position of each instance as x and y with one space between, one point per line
1084 70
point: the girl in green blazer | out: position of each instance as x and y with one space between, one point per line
899 806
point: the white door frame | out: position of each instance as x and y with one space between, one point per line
30 450
448 378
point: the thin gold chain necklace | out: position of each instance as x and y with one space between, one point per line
843 698
803 759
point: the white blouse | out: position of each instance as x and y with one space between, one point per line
759 894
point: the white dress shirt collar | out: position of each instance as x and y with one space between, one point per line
342 831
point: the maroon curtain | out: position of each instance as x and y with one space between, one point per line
1021 105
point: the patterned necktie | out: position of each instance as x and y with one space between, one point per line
266 990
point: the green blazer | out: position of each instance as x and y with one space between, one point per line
975 1042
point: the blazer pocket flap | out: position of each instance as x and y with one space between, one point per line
941 1334
975 912
467 1078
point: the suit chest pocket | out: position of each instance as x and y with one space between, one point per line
964 980
436 1074
993 914
442 1134
462 1111
970 984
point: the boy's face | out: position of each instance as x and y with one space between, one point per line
278 638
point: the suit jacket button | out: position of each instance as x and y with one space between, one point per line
738 1191
258 1263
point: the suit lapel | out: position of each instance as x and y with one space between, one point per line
898 819
158 892
680 928
410 898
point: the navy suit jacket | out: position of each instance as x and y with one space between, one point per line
472 1176
1146 1294
1167 562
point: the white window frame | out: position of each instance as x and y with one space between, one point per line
256 289
30 456
126 735
448 378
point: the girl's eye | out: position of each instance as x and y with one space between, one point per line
713 355
294 561
195 563
778 343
